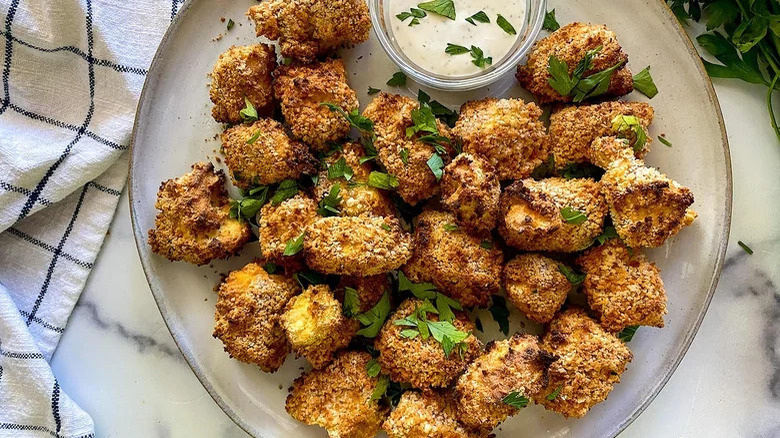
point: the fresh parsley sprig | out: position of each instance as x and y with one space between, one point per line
373 319
364 125
445 8
573 216
575 278
550 23
575 85
329 205
628 127
480 16
516 399
505 25
414 13
627 334
478 55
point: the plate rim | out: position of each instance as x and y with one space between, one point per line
139 235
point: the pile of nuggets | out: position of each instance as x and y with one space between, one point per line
482 227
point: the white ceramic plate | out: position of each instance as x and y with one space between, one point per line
174 129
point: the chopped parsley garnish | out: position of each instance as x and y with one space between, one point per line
414 13
329 205
340 169
572 216
627 334
436 164
608 233
480 16
577 86
451 227
398 79
574 278
254 137
504 24
270 268
374 319
550 23
247 208
628 127
500 313
745 247
373 368
445 8
477 54
486 244
546 169
454 49
385 227
404 155
381 180
287 189
516 399
444 332
380 388
423 121
230 24
427 291
553 395
309 278
351 305
294 245
372 91
644 84
249 113
353 117
665 141
441 112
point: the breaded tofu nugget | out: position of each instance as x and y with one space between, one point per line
194 222
357 197
646 206
278 224
534 214
506 132
307 29
262 153
536 286
569 44
338 398
514 365
422 362
420 415
315 326
471 191
301 90
573 128
242 73
590 362
623 287
369 289
247 319
405 157
461 266
358 246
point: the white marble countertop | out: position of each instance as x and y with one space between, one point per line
119 362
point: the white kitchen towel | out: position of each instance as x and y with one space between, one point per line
72 72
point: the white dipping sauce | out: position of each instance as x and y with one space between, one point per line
424 43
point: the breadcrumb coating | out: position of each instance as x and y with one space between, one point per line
569 44
301 90
536 286
517 364
471 191
270 158
590 362
194 222
369 289
506 132
307 29
315 326
532 219
338 398
247 317
242 72
422 362
391 115
356 196
464 267
420 415
573 128
623 287
278 224
647 207
358 246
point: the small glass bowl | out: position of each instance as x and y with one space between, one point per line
381 17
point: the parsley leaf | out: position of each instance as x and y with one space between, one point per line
424 121
577 86
436 164
294 245
546 169
629 128
413 13
380 388
479 57
643 83
553 395
516 399
574 278
374 318
444 8
608 233
329 204
595 84
504 24
572 216
665 141
351 305
441 112
500 313
363 124
249 113
340 169
627 334
550 23
447 335
486 244
559 76
373 369
451 228
404 155
254 137
230 24
454 49
287 189
381 180
480 16
398 79
270 268
745 247
309 278
372 91
247 208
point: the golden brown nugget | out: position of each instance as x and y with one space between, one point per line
278 224
536 286
356 196
532 214
464 267
506 132
307 29
242 73
369 289
515 365
357 246
570 44
247 318
391 115
262 154
623 287
338 398
646 206
420 415
194 222
301 90
471 190
590 362
573 128
315 326
422 362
